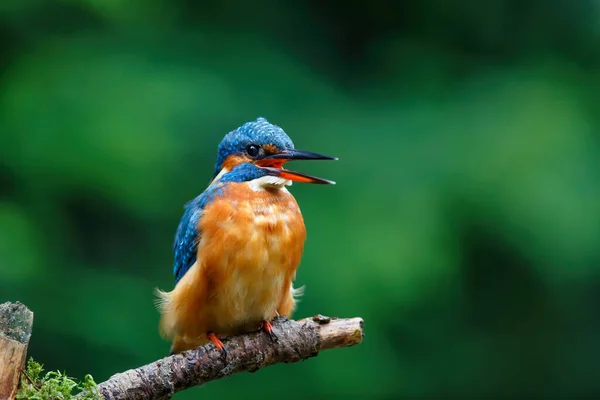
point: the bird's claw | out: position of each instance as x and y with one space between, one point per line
269 329
223 351
214 338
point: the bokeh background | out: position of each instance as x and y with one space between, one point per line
464 228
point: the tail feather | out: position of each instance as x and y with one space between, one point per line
161 302
288 302
297 292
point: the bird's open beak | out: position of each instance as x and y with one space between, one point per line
273 165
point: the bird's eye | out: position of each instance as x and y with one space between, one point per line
252 150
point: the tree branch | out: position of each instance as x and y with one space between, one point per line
297 340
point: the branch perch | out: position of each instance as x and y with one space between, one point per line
297 340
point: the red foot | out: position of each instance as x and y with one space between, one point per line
269 329
214 338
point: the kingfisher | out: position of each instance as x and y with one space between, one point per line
239 243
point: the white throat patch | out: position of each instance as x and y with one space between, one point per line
268 182
261 183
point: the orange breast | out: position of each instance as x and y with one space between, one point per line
250 248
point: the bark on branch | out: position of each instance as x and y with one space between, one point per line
16 322
297 340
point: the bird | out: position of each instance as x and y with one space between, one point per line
239 243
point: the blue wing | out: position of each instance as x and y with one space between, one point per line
186 239
185 245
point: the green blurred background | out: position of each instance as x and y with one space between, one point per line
464 228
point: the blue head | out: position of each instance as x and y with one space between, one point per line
258 149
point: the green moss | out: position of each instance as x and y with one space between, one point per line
54 385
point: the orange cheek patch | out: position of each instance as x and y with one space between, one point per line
234 160
270 149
